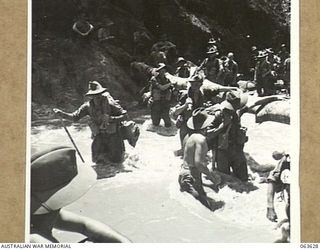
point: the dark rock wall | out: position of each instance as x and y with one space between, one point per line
63 62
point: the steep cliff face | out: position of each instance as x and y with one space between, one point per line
63 61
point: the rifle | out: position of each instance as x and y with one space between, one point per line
69 135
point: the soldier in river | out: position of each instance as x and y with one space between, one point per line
231 72
230 136
189 100
161 93
211 65
194 158
269 74
106 116
258 72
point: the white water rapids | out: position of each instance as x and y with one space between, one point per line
141 198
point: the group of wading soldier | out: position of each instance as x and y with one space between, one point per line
221 134
218 128
224 134
222 70
270 67
204 125
215 128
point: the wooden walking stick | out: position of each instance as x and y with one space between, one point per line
69 135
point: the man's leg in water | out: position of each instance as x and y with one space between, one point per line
239 163
165 114
198 186
186 182
223 164
156 113
97 149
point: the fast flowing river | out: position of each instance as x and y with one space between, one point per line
141 198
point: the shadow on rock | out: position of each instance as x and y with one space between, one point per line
109 170
231 182
215 205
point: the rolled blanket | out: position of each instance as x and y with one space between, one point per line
183 83
142 69
277 111
246 85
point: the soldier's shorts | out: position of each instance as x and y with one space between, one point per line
191 184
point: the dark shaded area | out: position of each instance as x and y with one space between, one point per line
109 170
215 205
237 185
233 183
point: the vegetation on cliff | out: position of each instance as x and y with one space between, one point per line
63 62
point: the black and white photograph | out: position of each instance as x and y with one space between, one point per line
163 121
